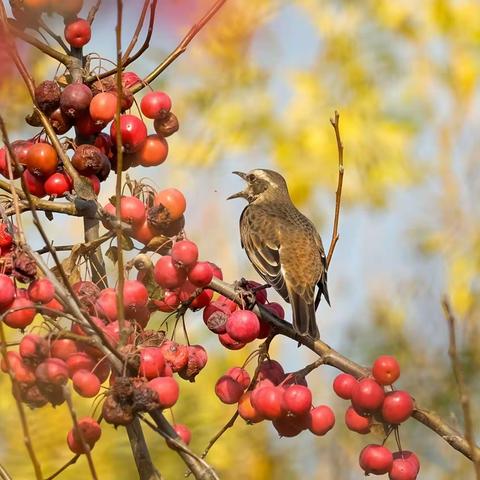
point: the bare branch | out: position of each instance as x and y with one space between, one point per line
118 185
462 388
93 11
134 39
338 196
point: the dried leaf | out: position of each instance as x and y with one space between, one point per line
112 253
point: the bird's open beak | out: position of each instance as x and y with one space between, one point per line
243 193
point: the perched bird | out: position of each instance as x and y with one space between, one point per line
283 246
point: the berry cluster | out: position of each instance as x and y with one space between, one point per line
237 327
283 398
369 403
89 109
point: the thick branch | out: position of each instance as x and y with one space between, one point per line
335 359
145 467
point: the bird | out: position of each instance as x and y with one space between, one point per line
283 246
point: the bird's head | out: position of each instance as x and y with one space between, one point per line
262 185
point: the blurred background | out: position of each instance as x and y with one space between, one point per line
256 88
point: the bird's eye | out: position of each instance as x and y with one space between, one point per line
251 177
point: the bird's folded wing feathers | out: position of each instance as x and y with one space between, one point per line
266 260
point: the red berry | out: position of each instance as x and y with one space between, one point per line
167 390
240 375
41 290
402 469
408 456
344 384
268 402
103 107
184 253
376 459
169 303
152 362
7 291
129 79
367 396
201 274
86 383
21 313
167 275
62 348
176 356
153 152
297 399
33 347
321 420
90 432
79 361
260 293
58 184
42 159
78 33
52 370
243 326
6 238
215 316
228 342
228 390
271 370
75 100
133 132
183 432
386 370
357 423
135 294
289 425
106 304
33 184
397 407
132 210
276 309
246 409
155 104
173 201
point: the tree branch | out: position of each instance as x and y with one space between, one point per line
145 467
335 359
338 195
462 388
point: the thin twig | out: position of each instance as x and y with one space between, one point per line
338 195
200 469
462 387
72 461
137 54
182 47
118 185
56 37
43 47
138 29
78 431
23 419
335 359
93 11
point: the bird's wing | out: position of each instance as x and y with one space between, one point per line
263 252
322 282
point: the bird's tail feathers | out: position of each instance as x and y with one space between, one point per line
304 321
